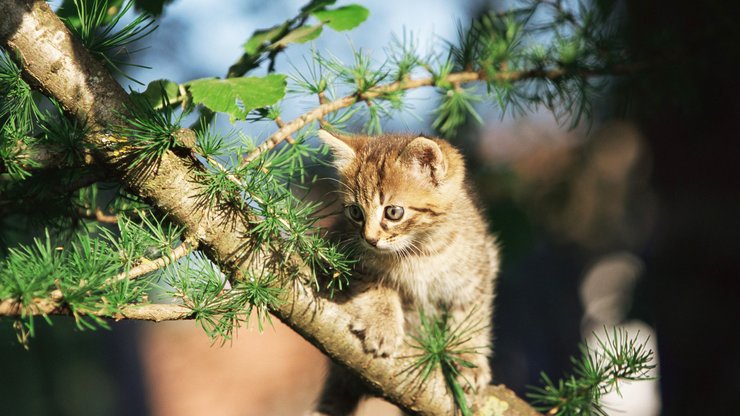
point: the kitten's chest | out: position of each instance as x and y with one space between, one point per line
430 282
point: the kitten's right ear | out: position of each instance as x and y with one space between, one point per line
340 148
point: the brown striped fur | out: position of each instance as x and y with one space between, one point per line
437 257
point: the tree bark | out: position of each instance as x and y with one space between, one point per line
58 65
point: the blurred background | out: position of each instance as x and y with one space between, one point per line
629 220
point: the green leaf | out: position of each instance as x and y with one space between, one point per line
238 96
343 18
156 92
302 34
260 37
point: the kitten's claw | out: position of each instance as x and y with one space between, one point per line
379 340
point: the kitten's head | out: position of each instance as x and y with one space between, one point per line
395 189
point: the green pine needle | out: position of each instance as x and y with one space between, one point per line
403 57
18 115
97 30
443 347
64 135
311 81
16 97
261 294
457 104
78 272
218 309
211 143
597 372
14 144
149 132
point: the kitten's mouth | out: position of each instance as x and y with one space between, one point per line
378 247
384 250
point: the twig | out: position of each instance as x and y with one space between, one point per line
156 312
54 305
332 106
98 215
101 216
297 124
149 266
456 78
322 101
280 123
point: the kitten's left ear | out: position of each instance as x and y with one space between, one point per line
425 158
340 148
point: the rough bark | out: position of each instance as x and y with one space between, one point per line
55 63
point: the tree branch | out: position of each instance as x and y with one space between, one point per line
98 215
46 157
457 78
149 266
156 312
54 62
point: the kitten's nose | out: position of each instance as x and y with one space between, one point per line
372 241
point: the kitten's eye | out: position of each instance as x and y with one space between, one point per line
354 212
393 212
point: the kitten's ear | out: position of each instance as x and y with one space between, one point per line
425 158
343 152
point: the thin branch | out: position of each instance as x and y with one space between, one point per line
148 266
280 123
322 101
101 216
54 305
98 215
156 312
327 108
298 124
322 98
457 78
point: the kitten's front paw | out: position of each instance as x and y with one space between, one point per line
380 339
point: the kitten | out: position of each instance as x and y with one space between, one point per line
423 245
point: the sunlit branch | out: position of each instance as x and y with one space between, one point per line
98 215
457 78
149 266
144 312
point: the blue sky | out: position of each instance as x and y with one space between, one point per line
209 39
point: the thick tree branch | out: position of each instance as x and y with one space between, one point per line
58 65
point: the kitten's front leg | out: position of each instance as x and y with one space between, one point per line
378 320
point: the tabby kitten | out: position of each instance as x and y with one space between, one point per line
423 245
